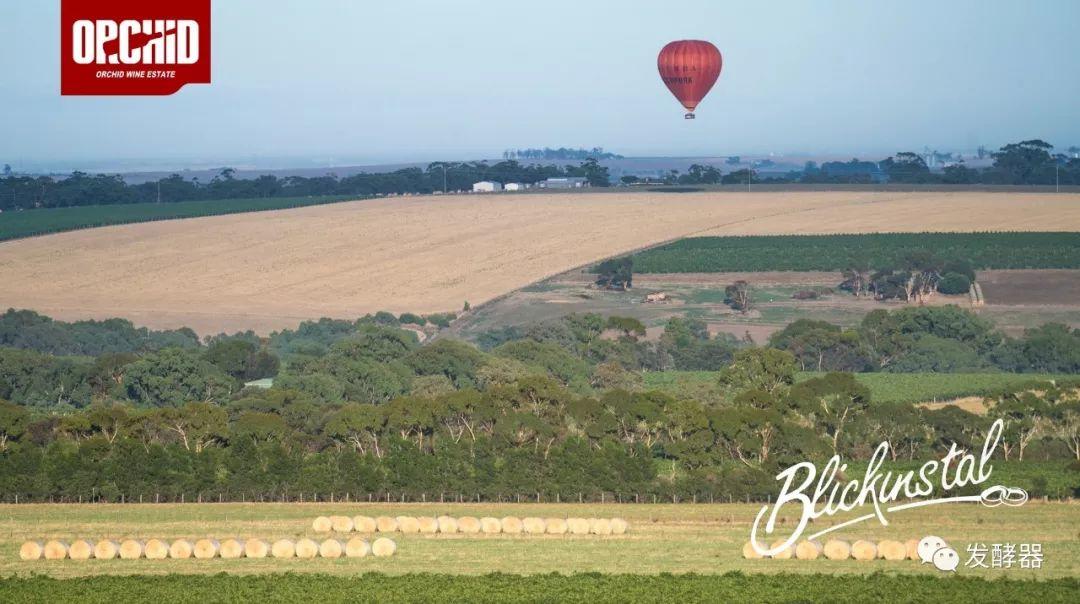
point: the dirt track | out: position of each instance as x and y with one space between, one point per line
270 270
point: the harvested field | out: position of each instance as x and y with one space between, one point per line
270 270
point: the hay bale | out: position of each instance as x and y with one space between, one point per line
555 526
181 548
31 550
231 549
256 548
156 549
490 525
55 550
331 548
749 552
131 549
785 554
306 548
533 525
383 547
206 549
578 526
386 524
891 550
357 548
864 550
599 526
512 525
836 549
322 524
447 524
407 524
808 550
911 547
468 524
106 550
619 526
341 524
283 548
428 524
81 549
364 524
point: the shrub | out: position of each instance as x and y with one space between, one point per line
954 283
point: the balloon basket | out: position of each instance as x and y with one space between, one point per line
688 116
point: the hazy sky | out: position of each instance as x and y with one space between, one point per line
365 81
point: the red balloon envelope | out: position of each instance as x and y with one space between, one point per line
689 68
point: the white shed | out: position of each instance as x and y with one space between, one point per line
486 186
514 186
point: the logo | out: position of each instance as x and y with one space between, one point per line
132 47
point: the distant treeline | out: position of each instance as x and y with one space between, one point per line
81 189
562 153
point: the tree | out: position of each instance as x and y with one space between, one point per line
629 326
615 273
832 402
173 377
906 167
1022 163
13 422
765 369
198 425
738 296
359 425
1024 415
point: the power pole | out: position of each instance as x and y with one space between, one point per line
159 190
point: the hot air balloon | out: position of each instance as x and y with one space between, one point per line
689 68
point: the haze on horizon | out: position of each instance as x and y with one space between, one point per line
335 82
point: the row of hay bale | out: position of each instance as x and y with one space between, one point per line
204 549
838 549
470 525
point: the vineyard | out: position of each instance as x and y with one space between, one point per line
835 252
28 223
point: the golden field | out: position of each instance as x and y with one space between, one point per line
271 270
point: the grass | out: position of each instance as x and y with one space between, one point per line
14 225
663 538
884 387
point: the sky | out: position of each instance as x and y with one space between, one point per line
335 82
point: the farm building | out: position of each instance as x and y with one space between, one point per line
566 182
487 186
515 186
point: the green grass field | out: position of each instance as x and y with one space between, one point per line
27 223
884 387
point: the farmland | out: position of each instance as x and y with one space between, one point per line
271 270
16 224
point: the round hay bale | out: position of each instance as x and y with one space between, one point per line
836 549
322 524
364 524
808 550
231 549
578 526
386 524
533 525
181 548
331 548
490 525
283 548
911 547
31 550
785 554
55 550
749 552
106 550
555 526
892 550
206 549
81 549
468 524
512 525
341 524
306 548
256 548
599 526
131 549
357 548
408 524
156 549
864 550
619 526
383 547
447 524
428 524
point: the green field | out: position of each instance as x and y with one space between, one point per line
27 223
835 252
884 387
